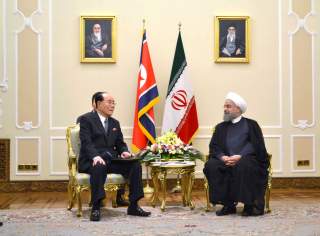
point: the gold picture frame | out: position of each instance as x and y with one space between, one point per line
231 39
98 39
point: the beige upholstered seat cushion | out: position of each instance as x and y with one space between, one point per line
84 179
115 179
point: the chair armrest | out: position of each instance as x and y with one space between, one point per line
72 164
205 158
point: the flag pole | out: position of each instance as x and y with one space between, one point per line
177 188
147 189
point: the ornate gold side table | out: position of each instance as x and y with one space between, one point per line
159 171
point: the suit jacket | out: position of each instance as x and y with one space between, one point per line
79 118
218 141
95 141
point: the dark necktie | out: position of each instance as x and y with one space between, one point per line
106 125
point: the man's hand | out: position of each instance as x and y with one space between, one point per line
99 52
225 159
104 47
226 52
233 160
97 160
125 155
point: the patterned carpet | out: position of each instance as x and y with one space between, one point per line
287 218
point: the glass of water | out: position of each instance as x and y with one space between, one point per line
157 158
186 157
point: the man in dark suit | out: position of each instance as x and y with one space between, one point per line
120 193
101 145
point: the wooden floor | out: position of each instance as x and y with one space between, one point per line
59 199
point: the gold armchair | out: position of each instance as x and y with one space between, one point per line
79 182
267 193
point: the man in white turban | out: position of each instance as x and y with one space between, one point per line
237 168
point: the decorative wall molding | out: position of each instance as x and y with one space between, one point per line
301 24
278 126
16 155
4 83
1 113
280 153
52 172
292 154
27 22
51 127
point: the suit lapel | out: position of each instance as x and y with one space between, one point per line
100 126
110 126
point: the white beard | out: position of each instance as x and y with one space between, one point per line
231 37
229 116
97 36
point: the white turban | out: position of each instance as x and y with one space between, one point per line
238 100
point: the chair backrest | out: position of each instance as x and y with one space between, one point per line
73 140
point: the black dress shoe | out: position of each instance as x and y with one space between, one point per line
257 212
247 210
226 210
137 211
250 210
121 202
1 223
95 215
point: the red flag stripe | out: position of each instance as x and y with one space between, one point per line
189 124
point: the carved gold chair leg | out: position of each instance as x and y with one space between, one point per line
206 187
269 186
89 199
78 193
71 196
267 201
114 198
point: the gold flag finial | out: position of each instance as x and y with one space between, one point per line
144 23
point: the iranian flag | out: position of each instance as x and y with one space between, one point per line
180 114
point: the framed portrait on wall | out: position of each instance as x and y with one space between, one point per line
98 39
231 39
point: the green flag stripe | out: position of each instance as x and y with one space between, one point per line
179 63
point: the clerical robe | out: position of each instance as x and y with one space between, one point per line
246 181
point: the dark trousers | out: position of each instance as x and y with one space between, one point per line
245 182
130 170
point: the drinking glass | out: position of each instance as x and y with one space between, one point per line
186 157
157 158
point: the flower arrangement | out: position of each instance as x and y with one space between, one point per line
170 146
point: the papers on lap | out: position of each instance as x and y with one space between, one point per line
138 157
